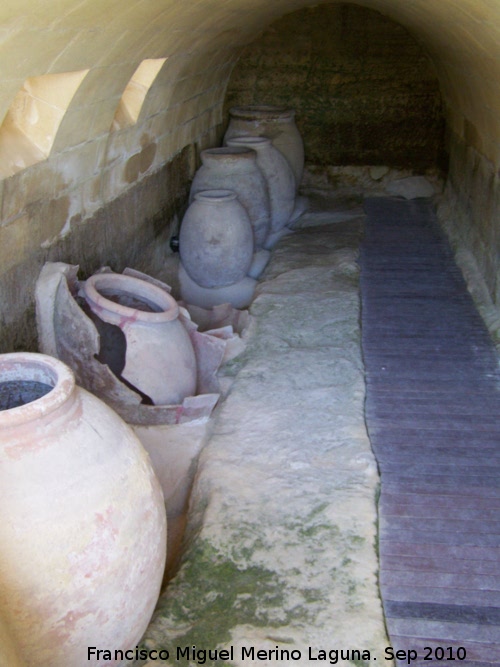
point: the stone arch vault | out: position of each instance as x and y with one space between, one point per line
103 196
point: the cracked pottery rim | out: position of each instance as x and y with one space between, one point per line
135 287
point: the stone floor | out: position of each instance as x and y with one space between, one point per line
280 559
280 550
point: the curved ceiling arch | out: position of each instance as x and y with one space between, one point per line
461 36
89 169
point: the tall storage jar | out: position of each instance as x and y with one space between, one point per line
216 239
274 122
154 353
278 174
83 530
235 168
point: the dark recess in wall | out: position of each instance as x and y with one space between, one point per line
364 91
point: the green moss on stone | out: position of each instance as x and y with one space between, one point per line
213 594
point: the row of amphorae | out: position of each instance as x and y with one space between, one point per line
83 531
242 198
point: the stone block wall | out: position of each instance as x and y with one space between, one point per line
473 194
131 230
363 89
104 196
91 191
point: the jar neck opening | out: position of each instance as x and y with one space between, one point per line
236 153
255 143
119 299
32 385
215 196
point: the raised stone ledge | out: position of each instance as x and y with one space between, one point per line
280 548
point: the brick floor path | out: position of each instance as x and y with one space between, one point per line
433 415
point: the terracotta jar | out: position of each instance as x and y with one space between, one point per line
142 339
278 174
9 654
83 530
216 239
274 122
239 294
235 168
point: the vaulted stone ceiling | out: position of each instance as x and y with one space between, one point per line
104 105
201 40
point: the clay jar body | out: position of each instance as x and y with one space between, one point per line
156 355
236 169
274 122
9 653
83 530
278 174
216 239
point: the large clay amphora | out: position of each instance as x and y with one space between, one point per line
279 177
235 168
83 530
142 339
216 239
274 122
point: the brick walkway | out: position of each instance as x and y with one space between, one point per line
432 409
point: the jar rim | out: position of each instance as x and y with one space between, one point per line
248 140
137 287
262 112
215 196
37 367
229 151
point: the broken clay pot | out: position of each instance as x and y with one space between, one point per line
83 531
66 331
142 338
